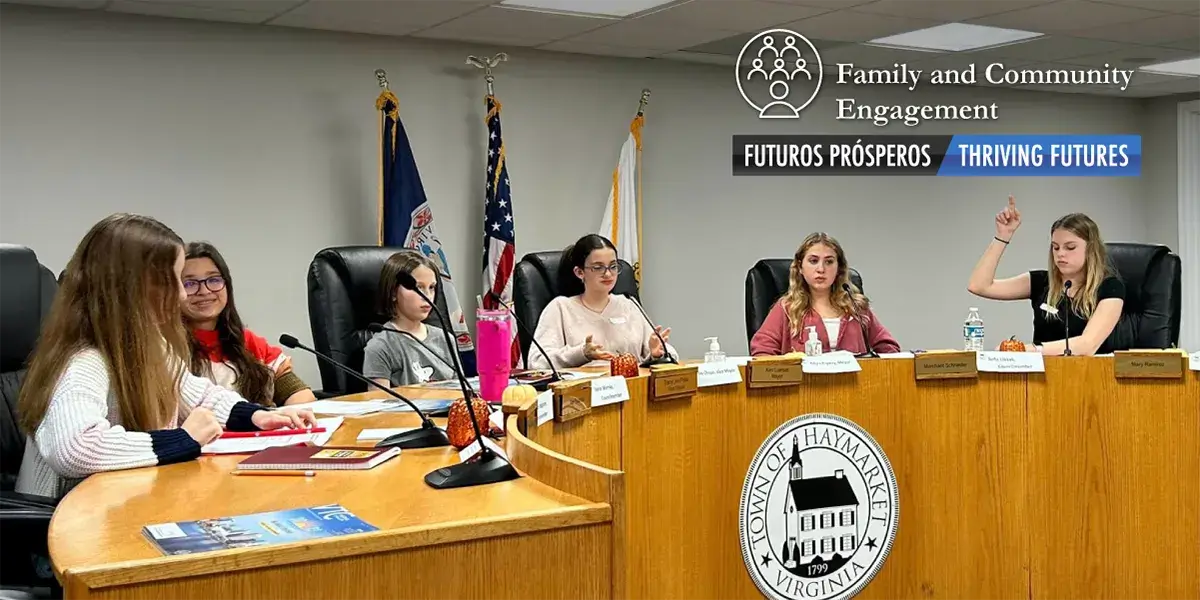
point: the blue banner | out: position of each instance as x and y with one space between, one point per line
1043 156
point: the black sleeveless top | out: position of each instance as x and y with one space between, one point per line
1046 329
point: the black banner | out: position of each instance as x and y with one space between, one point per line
889 155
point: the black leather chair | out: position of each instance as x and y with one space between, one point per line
766 282
342 286
1153 295
26 291
535 284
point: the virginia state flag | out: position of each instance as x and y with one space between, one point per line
620 224
406 219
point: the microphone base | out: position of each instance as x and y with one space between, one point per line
658 361
868 354
542 385
482 469
425 437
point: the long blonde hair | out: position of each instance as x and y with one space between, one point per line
1095 265
118 295
798 299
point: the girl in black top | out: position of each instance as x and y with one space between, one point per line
1078 256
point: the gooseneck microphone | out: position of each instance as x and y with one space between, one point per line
428 436
543 385
1067 319
861 323
666 357
377 327
486 466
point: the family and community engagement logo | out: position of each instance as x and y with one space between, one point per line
779 73
819 510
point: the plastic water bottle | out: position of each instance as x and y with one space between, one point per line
973 331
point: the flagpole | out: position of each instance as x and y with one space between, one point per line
641 249
487 63
381 77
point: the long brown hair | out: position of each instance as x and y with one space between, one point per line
1095 265
253 378
404 261
119 295
798 299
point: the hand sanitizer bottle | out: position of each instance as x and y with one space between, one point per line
813 347
714 353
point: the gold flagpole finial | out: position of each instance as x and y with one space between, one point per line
643 102
488 63
381 75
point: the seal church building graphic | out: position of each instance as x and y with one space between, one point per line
819 510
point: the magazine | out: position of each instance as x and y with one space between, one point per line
260 529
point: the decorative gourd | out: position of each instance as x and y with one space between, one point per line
517 395
624 365
458 422
1012 344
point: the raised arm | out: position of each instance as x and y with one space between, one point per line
983 281
76 439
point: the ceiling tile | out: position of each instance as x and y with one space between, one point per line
1141 78
1187 7
1156 31
1183 85
601 50
1049 48
1065 16
1131 56
960 61
214 11
1191 44
742 15
380 18
872 57
724 60
650 32
829 4
946 10
505 25
263 6
850 26
76 4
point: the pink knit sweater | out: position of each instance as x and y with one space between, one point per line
775 336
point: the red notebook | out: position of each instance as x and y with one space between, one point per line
312 458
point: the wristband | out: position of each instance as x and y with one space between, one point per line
1000 240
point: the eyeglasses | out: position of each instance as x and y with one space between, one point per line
602 269
213 284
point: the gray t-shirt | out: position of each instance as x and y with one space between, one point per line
403 361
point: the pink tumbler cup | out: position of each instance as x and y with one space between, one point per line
494 353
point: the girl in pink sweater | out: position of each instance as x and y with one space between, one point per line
816 298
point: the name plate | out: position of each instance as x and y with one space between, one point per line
545 407
672 382
572 399
1010 362
609 390
832 362
1139 364
946 365
718 373
774 371
1194 361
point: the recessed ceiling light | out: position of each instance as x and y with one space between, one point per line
589 8
1188 67
954 37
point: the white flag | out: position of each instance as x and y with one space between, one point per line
620 224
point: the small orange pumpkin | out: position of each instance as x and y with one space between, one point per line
458 423
624 365
1012 344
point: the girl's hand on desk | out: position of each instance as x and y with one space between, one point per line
202 425
285 417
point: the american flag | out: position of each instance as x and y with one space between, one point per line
499 239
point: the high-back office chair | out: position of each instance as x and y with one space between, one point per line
535 284
766 282
342 286
1153 295
26 291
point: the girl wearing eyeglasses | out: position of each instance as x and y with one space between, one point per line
587 322
223 350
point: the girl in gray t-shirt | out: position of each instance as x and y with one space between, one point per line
415 352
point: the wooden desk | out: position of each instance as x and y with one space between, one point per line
456 543
1067 484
